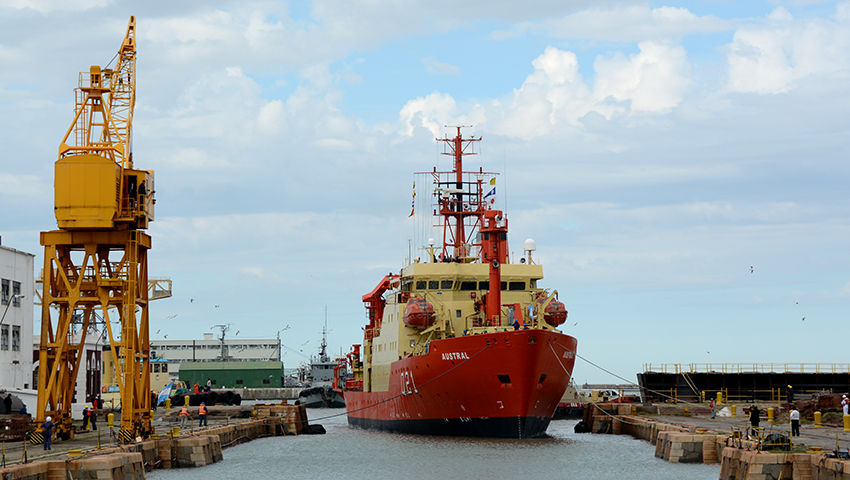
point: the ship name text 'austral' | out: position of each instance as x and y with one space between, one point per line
455 356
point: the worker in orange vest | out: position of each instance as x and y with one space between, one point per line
197 388
202 415
184 415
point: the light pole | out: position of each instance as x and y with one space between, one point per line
11 300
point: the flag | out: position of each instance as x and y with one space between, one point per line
164 393
493 181
490 198
413 202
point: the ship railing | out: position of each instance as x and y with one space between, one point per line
689 368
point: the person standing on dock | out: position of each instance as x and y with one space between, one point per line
202 415
754 416
790 394
197 388
711 404
86 418
209 384
47 431
7 402
795 423
845 404
184 415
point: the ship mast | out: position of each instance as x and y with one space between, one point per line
461 207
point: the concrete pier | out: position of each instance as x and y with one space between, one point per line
689 440
187 450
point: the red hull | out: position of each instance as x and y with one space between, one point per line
505 384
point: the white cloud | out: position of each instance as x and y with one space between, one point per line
772 58
49 6
629 23
555 96
653 80
439 68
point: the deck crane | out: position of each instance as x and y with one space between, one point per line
96 262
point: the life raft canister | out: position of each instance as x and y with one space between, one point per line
418 313
555 313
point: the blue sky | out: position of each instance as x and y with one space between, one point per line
654 150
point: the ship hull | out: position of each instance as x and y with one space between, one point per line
505 385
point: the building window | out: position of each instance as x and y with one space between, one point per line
238 382
16 338
164 368
16 290
4 297
266 381
4 337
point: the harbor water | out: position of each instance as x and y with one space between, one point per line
349 453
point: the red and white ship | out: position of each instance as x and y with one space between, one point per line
463 342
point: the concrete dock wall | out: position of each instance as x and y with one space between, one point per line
187 450
676 443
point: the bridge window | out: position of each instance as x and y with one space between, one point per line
446 284
516 286
433 285
468 285
421 284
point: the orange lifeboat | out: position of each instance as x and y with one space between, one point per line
418 313
555 313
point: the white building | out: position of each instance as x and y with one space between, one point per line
211 349
16 310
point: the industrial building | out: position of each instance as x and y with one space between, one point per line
16 318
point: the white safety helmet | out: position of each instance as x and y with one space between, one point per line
49 419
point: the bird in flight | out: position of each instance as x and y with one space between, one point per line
751 269
804 319
165 336
191 300
157 332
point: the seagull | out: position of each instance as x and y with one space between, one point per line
157 332
305 343
170 317
707 352
216 306
751 269
191 300
165 336
804 319
575 324
796 303
237 333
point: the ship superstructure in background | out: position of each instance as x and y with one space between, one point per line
464 343
318 378
95 264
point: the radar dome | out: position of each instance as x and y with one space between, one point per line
529 245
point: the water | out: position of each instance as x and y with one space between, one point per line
356 454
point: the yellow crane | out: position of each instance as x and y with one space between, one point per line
97 259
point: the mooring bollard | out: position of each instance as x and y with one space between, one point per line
734 411
187 400
634 410
168 403
686 413
847 423
719 397
770 414
817 420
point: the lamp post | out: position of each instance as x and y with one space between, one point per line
11 300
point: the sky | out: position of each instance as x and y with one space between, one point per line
682 166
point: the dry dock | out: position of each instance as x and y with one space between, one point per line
90 456
701 439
